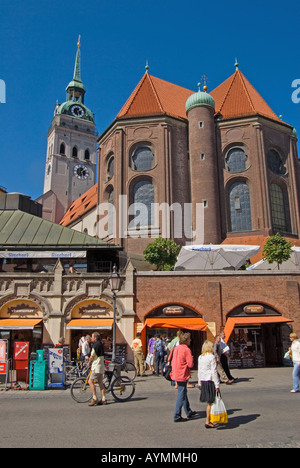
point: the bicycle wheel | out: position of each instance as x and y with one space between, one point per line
122 388
81 391
130 369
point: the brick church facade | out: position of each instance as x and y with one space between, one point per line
225 151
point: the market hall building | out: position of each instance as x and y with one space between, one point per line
40 300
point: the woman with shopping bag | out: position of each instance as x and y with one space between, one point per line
208 379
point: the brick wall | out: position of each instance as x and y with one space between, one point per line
214 295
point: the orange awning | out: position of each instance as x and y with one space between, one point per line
194 323
90 324
244 321
19 324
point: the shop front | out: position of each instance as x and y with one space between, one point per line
257 336
167 320
90 316
21 321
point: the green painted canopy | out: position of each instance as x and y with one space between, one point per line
20 230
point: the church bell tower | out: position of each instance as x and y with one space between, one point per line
71 150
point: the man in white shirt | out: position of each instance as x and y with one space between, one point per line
85 348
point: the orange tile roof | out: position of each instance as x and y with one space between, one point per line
256 240
237 97
81 206
154 96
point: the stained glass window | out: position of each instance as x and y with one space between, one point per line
236 160
142 159
240 208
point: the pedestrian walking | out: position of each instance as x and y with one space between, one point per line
182 363
159 354
150 357
208 379
295 352
138 354
96 362
224 356
218 353
85 348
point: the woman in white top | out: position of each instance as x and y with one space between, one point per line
208 378
295 351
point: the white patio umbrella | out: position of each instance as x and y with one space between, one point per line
292 264
214 257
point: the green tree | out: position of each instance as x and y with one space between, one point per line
277 249
162 253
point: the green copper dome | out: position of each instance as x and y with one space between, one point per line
69 108
200 98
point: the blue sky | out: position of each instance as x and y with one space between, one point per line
181 41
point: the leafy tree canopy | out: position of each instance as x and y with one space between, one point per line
162 253
277 249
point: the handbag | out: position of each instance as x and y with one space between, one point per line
218 413
168 369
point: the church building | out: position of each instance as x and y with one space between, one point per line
194 167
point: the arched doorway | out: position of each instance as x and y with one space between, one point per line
257 336
167 319
88 316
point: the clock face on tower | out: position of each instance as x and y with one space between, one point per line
77 111
81 171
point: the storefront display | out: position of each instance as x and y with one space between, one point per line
246 348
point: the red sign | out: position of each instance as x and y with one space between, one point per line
21 351
2 368
2 350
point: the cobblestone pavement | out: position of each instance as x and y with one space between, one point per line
261 410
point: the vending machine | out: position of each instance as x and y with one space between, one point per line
20 364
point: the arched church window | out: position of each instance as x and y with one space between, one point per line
142 159
74 152
110 223
275 162
279 209
236 160
111 167
142 210
87 155
62 149
240 207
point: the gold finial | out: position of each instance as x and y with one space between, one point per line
78 42
204 78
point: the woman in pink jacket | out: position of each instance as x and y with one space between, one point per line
182 362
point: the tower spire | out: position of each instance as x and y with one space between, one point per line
75 89
77 74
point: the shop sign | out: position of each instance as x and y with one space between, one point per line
3 367
55 360
2 350
92 310
254 309
173 311
22 309
42 254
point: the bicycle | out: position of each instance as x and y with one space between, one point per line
121 387
126 366
73 370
